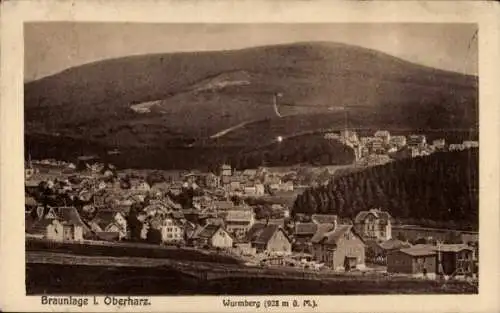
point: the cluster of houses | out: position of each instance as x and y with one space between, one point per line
466 144
368 240
324 240
253 182
93 206
383 143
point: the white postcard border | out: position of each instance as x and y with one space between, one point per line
14 13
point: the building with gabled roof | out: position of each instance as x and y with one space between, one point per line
338 246
416 260
225 174
385 135
172 229
213 236
277 221
468 144
305 229
238 222
60 224
374 224
439 144
377 251
211 181
302 234
270 238
109 221
416 140
398 141
324 218
456 259
158 207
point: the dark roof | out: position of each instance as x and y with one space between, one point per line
104 217
155 222
360 217
177 221
332 236
38 227
320 231
453 247
157 206
224 205
323 218
305 228
239 215
207 232
69 216
381 215
65 215
419 250
262 233
416 138
177 215
189 228
277 221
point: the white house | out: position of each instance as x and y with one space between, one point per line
384 135
213 236
238 222
172 230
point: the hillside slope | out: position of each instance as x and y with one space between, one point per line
198 94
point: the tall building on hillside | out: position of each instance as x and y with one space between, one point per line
349 135
225 174
439 144
468 144
384 135
398 141
417 141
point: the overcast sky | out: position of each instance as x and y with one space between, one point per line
55 46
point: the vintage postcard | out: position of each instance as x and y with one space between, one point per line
219 156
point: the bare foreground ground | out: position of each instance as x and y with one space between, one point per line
59 273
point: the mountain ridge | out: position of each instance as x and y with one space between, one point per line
185 52
198 94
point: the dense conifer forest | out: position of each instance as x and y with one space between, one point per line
440 190
307 149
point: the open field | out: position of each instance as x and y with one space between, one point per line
54 273
128 250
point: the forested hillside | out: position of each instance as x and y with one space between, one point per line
192 96
437 190
310 149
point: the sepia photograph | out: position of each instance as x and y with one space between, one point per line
191 159
246 156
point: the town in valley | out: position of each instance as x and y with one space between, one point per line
200 159
245 214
